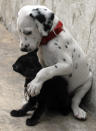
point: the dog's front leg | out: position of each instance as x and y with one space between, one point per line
59 69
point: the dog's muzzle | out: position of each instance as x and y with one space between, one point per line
24 49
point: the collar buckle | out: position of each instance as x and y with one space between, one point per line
54 32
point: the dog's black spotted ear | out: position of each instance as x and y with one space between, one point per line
49 23
39 16
52 16
43 17
36 14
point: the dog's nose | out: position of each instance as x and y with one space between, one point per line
25 48
15 67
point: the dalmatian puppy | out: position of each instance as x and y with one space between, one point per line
61 56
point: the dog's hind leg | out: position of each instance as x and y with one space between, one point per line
77 111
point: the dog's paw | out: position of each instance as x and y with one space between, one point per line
34 88
80 114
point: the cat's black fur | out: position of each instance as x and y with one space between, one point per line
53 95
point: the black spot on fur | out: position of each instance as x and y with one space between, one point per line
90 70
59 47
55 43
76 66
47 22
40 17
74 50
68 43
48 25
66 46
56 66
52 16
32 16
64 59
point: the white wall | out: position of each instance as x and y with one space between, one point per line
79 16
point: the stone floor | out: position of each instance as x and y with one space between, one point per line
11 96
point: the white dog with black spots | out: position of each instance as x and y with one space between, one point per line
61 56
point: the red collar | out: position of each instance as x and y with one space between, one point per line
52 34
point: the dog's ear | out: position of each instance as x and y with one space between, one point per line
44 20
37 15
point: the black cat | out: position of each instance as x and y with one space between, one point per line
53 95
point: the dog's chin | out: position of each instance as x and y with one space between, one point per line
29 50
32 50
24 50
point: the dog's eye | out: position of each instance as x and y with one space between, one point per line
27 32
